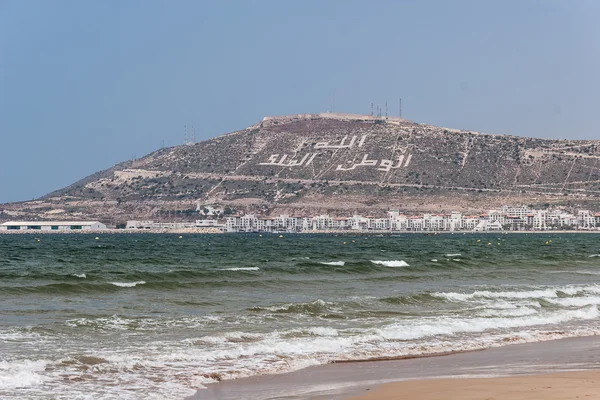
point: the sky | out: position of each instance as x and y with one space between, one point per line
87 84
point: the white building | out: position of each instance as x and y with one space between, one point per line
59 226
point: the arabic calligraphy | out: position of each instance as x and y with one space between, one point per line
384 165
342 145
281 162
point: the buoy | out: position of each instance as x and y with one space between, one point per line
259 235
546 242
344 242
498 244
39 240
354 241
550 241
478 240
280 236
97 238
489 243
180 237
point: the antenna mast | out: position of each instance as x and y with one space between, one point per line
400 107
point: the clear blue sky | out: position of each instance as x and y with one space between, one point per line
87 84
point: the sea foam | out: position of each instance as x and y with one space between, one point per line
392 263
128 284
241 269
21 374
336 263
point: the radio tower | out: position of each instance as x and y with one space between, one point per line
185 134
386 116
400 107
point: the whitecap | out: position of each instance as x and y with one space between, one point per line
128 284
392 263
336 263
240 269
453 255
434 259
450 326
21 374
80 275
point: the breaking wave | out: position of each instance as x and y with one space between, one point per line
393 263
128 284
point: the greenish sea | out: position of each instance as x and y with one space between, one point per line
157 317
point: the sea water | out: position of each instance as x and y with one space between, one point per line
157 316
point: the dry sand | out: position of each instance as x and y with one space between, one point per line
559 386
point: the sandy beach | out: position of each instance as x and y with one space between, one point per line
555 369
560 386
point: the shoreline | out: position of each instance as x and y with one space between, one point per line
215 231
550 386
345 381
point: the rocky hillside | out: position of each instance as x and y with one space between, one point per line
335 163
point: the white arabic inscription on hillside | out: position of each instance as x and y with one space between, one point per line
281 160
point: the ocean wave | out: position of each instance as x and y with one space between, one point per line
526 294
594 255
21 374
240 269
80 275
128 284
574 301
588 272
121 323
392 263
315 307
450 255
450 326
509 312
335 263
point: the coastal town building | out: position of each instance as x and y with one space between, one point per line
152 225
52 226
521 218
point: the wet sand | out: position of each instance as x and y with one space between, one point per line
562 386
343 381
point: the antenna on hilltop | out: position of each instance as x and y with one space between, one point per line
386 116
400 98
371 109
185 134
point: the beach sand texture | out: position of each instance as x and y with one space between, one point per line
560 386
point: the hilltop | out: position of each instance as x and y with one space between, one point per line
335 163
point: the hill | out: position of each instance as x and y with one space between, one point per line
335 163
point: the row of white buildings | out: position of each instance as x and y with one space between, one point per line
507 218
